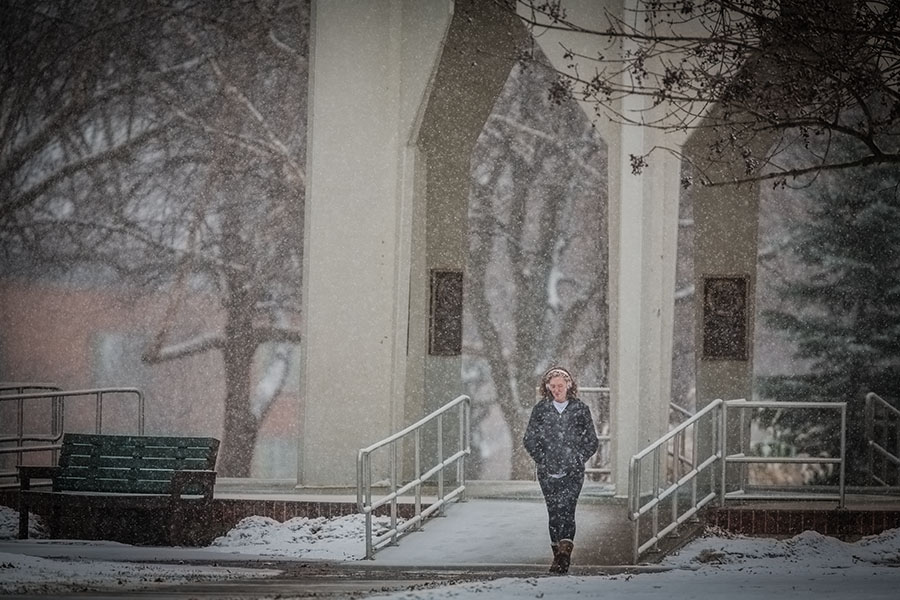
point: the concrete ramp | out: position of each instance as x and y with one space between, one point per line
497 531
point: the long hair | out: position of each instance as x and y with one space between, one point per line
552 372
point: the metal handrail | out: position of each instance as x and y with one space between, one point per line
57 399
364 500
680 411
20 387
709 415
681 461
14 390
742 458
640 504
878 444
605 440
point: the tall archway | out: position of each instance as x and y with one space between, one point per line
537 277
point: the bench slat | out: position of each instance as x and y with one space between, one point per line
116 486
93 445
128 462
124 473
115 441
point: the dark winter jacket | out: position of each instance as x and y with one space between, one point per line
560 442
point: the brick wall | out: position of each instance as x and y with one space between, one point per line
777 522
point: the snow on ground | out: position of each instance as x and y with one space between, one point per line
9 525
22 574
809 565
338 539
341 538
806 566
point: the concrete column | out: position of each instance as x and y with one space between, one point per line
725 222
399 92
480 50
725 248
371 64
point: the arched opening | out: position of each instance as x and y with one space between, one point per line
515 199
537 271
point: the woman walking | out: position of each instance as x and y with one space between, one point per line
560 437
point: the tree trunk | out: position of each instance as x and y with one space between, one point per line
240 427
516 416
522 465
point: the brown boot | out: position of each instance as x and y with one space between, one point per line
554 567
564 557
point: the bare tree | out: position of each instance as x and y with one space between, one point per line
173 164
758 76
537 270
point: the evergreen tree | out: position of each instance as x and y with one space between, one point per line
844 315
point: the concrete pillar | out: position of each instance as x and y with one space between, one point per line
399 92
480 50
643 222
726 219
371 64
725 247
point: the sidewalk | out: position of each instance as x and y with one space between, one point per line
496 532
474 534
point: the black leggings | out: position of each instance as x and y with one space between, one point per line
561 496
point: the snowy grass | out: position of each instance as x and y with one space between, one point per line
808 550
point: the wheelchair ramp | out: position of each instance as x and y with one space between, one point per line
484 532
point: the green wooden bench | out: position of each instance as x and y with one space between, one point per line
136 489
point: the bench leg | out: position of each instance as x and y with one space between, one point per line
23 517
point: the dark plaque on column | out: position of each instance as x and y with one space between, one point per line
725 315
445 315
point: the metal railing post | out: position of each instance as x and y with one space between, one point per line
393 459
843 462
417 440
694 447
440 459
98 410
367 494
141 413
461 463
20 427
676 478
723 449
656 489
633 502
870 435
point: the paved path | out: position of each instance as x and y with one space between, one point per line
479 539
475 533
512 532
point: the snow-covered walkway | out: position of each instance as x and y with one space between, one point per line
511 532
